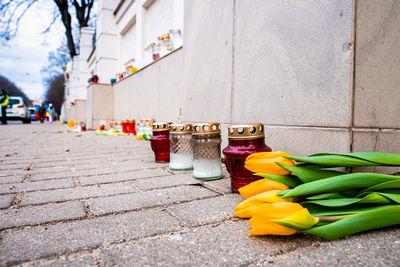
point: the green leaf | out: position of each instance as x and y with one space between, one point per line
333 160
368 220
327 196
385 185
391 196
308 174
372 198
317 210
340 183
289 180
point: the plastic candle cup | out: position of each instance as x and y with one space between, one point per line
206 141
181 150
132 127
244 140
124 126
160 141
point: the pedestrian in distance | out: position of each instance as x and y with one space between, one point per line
42 112
3 103
51 111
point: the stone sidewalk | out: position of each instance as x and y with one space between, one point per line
77 199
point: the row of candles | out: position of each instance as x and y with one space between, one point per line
197 147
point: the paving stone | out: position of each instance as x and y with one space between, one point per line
81 192
6 200
166 181
34 186
228 244
41 214
147 199
17 166
205 211
44 241
55 175
375 248
11 179
222 186
61 168
134 165
111 178
64 261
51 164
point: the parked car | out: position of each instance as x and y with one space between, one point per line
33 112
17 109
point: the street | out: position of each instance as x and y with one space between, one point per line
78 199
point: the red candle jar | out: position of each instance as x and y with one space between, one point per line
132 127
160 141
244 140
125 126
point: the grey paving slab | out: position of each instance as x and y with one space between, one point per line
375 248
63 174
205 211
11 179
69 261
222 186
59 168
81 192
6 200
147 199
41 214
18 166
125 176
166 181
35 186
227 244
46 241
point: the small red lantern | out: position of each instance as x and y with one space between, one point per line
125 126
244 140
160 141
132 127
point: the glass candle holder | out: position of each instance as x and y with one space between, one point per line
124 126
244 140
132 127
102 125
181 150
83 126
160 141
206 141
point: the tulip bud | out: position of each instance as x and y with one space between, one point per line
265 162
245 208
282 218
261 186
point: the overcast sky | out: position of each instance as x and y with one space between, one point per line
23 58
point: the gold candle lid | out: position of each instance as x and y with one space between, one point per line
125 121
206 128
180 128
246 131
131 121
161 126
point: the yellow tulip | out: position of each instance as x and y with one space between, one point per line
71 123
264 162
282 218
260 186
245 208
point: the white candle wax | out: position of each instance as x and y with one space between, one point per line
205 168
180 161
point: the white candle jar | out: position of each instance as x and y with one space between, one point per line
206 140
181 150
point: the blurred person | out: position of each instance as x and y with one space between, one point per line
42 113
4 103
51 112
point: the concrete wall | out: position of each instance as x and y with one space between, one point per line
77 112
155 91
321 75
99 104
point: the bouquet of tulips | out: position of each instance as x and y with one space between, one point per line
302 194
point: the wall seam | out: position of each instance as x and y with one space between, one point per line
353 74
233 61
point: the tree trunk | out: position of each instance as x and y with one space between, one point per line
66 19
